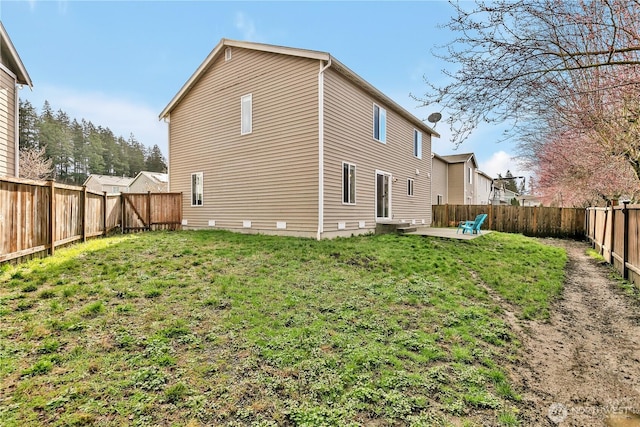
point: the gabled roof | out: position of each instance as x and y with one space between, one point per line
303 53
120 181
10 58
460 158
484 174
155 177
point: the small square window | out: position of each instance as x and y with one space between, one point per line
410 187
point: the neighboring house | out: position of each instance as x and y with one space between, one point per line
12 75
107 183
439 180
154 182
528 200
278 140
503 196
483 189
455 180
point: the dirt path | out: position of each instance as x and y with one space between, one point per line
582 367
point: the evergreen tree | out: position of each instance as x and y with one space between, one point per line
29 124
79 148
155 162
510 182
136 156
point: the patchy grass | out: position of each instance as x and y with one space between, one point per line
626 286
215 328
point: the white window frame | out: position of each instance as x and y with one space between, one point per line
197 193
470 176
410 187
227 54
246 114
350 183
379 119
439 199
417 144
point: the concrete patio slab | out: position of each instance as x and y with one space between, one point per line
447 233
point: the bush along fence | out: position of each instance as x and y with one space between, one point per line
615 233
36 217
527 220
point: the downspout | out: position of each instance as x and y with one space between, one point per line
16 98
167 120
321 148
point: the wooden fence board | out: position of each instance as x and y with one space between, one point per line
528 220
32 222
615 233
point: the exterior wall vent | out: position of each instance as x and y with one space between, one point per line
281 225
246 224
227 54
212 223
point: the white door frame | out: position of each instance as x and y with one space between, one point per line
389 198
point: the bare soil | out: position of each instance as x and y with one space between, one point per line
582 367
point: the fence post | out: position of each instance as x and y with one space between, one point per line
446 214
613 234
149 210
625 239
52 216
123 202
83 196
104 212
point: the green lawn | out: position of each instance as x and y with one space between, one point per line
214 328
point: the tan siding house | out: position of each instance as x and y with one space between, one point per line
439 180
154 182
12 75
108 184
458 181
276 140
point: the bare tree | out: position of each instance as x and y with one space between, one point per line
546 67
34 164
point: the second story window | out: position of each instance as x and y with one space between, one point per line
246 113
417 143
379 123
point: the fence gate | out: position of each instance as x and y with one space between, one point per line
151 211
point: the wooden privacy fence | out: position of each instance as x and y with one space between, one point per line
38 216
151 211
615 232
528 220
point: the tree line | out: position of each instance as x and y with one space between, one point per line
69 150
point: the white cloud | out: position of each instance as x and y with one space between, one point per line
500 162
123 116
246 26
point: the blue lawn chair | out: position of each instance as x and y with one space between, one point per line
473 227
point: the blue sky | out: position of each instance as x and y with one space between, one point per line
119 63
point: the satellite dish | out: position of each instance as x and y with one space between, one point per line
434 117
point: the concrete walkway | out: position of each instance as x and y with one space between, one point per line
447 233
